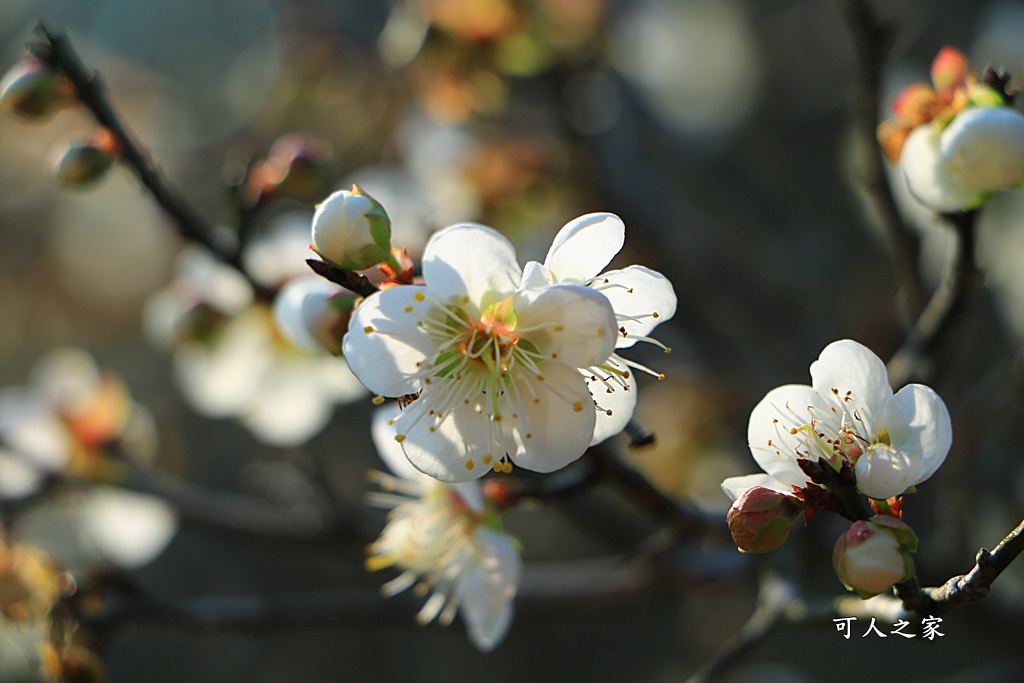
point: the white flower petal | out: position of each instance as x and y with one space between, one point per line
535 275
982 150
557 422
300 307
488 589
773 446
443 449
128 529
584 246
918 422
925 177
383 431
469 260
287 410
883 472
620 402
219 378
571 324
34 440
384 346
637 292
66 376
847 366
734 487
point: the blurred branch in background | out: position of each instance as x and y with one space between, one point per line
58 50
872 41
958 278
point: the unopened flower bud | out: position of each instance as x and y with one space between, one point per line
983 149
949 68
313 313
760 519
352 230
297 167
83 164
874 555
32 89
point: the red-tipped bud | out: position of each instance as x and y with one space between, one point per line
949 69
84 164
760 519
873 555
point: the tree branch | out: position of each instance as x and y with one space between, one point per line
61 54
871 40
959 276
964 589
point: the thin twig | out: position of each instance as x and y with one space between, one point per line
958 278
89 89
872 40
686 520
774 596
218 613
231 511
964 589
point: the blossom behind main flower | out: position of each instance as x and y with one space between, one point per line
494 366
443 538
849 413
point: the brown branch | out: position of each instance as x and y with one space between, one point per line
959 277
685 519
964 589
872 40
352 281
90 91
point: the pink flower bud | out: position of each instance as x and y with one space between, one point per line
949 68
873 555
760 519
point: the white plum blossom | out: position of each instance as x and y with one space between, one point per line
313 313
63 421
443 539
641 298
953 168
100 527
494 366
849 413
232 358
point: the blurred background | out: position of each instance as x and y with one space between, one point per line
719 130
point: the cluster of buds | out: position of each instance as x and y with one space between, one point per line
34 89
957 142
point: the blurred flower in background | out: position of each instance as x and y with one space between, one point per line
445 540
230 356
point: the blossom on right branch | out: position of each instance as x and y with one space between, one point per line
958 143
849 414
446 541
